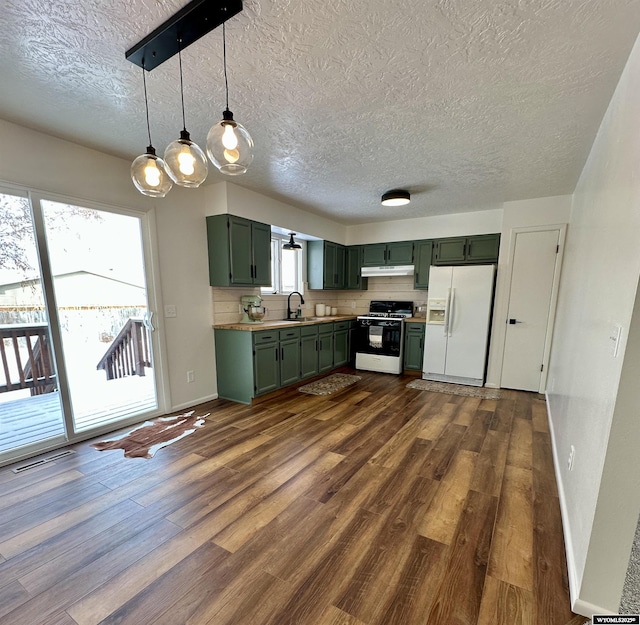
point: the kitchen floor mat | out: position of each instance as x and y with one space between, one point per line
330 384
455 389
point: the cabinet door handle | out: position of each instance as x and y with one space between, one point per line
276 354
282 353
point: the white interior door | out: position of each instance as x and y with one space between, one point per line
528 320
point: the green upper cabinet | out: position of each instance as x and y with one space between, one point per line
353 264
448 251
374 255
380 254
325 265
483 248
466 250
239 251
422 253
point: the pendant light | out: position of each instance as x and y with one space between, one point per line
292 245
148 171
396 197
184 159
229 145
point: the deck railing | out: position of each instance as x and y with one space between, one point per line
26 359
129 353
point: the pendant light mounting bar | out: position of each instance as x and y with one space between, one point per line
193 21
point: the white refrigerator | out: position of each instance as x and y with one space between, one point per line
459 306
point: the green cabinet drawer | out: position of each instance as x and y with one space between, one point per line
289 333
325 328
265 336
340 325
309 330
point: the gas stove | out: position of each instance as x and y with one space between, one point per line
380 336
388 310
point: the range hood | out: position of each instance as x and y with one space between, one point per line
390 270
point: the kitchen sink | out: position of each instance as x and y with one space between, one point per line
303 319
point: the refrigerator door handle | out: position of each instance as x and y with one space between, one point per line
451 307
446 313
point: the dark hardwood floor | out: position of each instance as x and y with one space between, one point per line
378 505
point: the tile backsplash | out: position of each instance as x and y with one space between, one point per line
226 301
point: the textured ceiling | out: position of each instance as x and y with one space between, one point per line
466 103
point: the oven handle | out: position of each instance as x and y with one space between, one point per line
446 313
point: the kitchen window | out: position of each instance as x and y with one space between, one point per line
286 267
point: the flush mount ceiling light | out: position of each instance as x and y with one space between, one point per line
229 145
148 171
186 163
292 245
396 197
185 160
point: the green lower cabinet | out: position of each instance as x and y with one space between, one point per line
325 349
266 367
289 361
414 345
252 363
340 343
308 351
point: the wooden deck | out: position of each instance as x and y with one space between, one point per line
377 505
30 420
35 419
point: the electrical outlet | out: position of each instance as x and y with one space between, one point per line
170 310
572 457
240 310
191 377
353 304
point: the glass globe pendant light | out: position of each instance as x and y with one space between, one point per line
229 145
185 160
148 171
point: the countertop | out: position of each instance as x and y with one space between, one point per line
277 323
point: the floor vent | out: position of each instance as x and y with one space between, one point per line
36 462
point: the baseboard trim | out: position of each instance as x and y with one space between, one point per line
579 606
194 402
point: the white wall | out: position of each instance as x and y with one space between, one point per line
226 197
460 224
601 496
37 161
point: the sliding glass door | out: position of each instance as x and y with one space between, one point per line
97 265
31 414
76 326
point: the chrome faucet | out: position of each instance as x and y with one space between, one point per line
289 311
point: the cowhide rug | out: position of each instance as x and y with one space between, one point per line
146 440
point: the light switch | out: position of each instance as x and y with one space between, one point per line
170 310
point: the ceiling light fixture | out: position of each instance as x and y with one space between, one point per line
148 171
229 145
292 245
186 162
396 197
